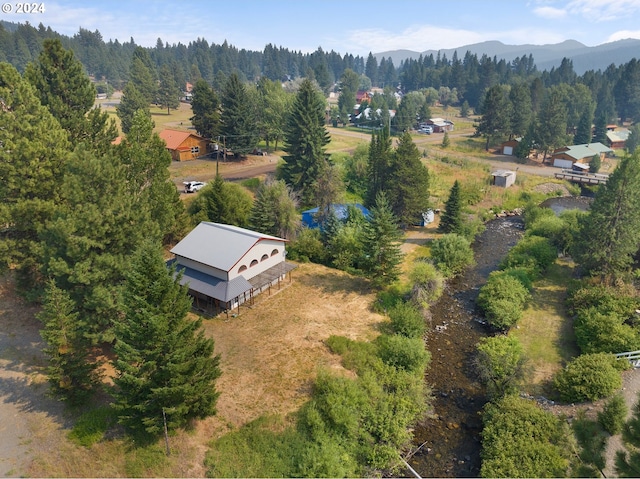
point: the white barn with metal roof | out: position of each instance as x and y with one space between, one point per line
226 265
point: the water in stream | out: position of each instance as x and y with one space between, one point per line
450 440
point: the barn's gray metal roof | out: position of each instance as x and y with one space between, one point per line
210 286
218 245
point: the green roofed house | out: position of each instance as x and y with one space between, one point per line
566 156
225 266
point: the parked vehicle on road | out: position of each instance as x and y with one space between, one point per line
193 186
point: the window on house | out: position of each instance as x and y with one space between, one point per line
242 268
195 149
253 263
264 256
274 252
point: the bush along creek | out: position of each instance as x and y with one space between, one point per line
474 370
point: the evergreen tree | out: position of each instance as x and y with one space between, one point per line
64 88
521 110
496 112
142 74
378 164
239 126
408 187
451 218
595 164
147 161
551 123
305 140
131 102
273 103
32 158
583 130
609 235
165 364
446 142
633 141
274 211
206 110
168 91
88 243
600 130
71 372
628 460
381 244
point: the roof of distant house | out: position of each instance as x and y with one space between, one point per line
621 134
585 150
218 245
174 138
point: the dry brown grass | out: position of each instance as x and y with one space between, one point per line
270 355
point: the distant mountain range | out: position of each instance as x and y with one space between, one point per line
545 56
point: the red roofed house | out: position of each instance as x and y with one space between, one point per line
184 145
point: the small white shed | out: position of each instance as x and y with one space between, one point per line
503 178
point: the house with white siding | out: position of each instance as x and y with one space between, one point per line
225 266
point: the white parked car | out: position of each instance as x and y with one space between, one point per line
193 186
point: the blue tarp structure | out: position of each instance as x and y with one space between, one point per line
341 211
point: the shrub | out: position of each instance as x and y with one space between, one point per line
427 283
589 377
530 251
598 332
404 353
521 440
500 363
524 275
308 247
452 254
533 213
502 300
605 299
613 415
407 320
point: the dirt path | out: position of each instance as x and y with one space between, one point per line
28 419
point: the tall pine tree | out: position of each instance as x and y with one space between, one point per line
64 88
609 235
381 244
168 91
165 364
408 184
378 164
32 159
451 218
71 372
239 125
305 140
206 110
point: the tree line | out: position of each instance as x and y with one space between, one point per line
469 77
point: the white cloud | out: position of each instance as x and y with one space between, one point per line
623 34
604 10
425 37
550 13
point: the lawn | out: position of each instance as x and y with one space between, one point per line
545 330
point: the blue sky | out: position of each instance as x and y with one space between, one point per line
346 26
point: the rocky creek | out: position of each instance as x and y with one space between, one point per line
449 440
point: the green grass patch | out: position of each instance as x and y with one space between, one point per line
92 426
545 329
262 448
144 461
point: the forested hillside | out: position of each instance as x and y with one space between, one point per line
467 77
